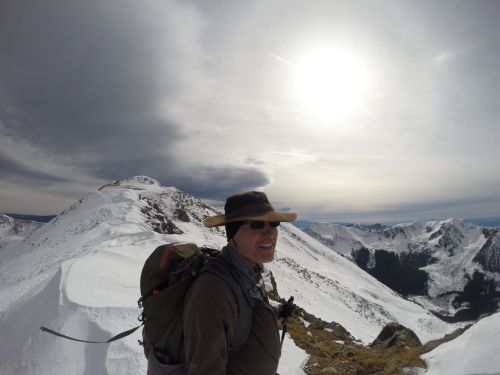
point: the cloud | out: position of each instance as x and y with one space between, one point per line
192 94
13 169
221 182
93 81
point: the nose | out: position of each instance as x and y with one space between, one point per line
269 229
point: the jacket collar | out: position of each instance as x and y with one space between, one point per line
249 277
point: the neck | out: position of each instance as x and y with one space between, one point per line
232 243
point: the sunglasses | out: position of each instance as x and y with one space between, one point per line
261 224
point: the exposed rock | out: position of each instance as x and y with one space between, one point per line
158 219
433 344
332 327
489 254
181 215
396 335
479 296
399 272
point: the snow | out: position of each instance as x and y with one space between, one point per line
79 274
333 288
474 352
452 243
12 232
292 358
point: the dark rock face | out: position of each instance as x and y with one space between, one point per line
450 238
480 296
399 272
361 257
158 219
489 255
182 215
395 334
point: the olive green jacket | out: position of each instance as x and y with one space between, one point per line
209 318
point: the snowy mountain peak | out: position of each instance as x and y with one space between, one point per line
439 260
135 181
13 231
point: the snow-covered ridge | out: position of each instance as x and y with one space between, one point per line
13 231
445 256
135 181
80 272
13 227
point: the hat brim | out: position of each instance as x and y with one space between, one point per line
215 221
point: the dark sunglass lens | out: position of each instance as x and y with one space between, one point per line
257 224
262 224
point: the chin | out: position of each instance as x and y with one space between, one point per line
268 259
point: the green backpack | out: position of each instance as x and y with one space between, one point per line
166 277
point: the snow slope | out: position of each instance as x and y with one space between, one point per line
13 231
475 352
79 274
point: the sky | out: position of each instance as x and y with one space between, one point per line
356 111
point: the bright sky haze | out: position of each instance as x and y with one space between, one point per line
364 111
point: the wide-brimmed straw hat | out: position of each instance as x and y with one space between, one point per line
248 206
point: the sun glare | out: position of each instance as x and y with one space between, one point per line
330 82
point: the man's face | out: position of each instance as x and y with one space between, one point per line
256 245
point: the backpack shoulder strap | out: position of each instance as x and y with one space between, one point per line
221 268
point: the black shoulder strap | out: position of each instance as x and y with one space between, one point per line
114 338
221 268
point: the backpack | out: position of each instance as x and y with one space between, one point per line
166 277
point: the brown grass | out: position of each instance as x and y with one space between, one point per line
327 356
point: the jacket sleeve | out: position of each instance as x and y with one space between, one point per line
209 317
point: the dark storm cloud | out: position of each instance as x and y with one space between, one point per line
85 80
12 169
219 183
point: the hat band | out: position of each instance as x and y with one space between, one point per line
254 209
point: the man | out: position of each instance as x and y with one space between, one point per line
211 320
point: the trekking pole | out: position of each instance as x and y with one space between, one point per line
285 324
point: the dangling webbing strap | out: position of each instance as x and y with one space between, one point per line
114 338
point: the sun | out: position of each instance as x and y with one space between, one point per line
331 82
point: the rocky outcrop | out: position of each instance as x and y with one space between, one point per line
395 335
489 255
158 219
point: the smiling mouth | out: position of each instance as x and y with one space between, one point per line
267 246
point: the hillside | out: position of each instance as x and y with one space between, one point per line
79 274
13 231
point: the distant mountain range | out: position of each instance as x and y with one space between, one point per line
482 222
451 266
37 218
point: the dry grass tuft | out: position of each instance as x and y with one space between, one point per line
334 351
